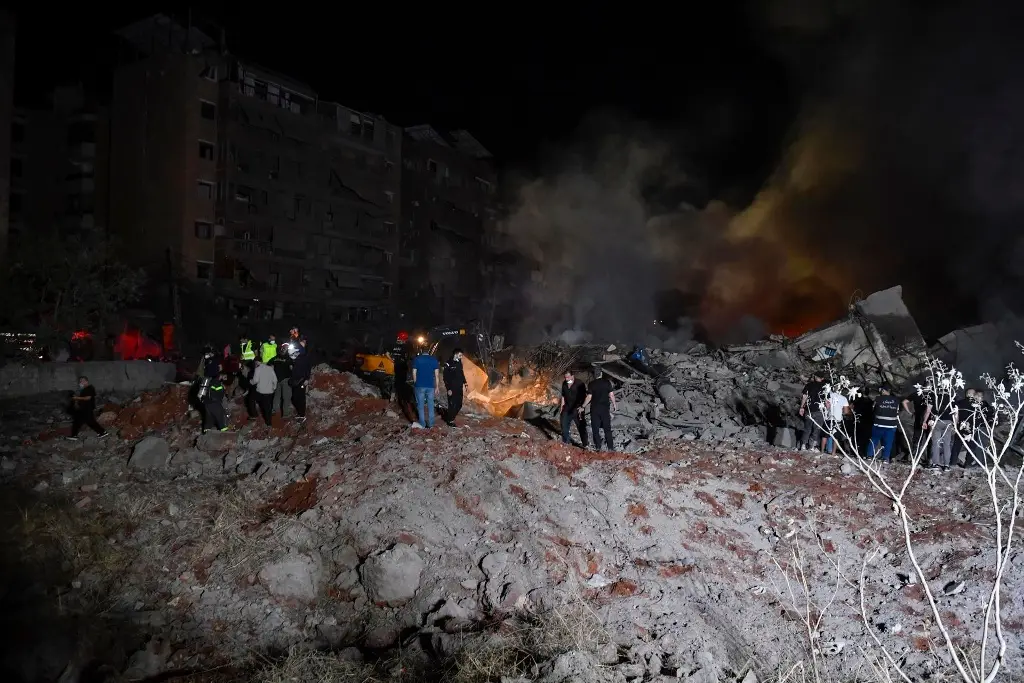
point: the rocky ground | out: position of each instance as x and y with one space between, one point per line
354 548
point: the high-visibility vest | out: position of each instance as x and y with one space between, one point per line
269 351
247 352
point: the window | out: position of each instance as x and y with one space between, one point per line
208 110
484 185
368 129
431 166
389 136
204 230
16 202
17 131
390 196
389 228
209 72
16 167
243 194
206 189
207 150
81 132
204 270
355 124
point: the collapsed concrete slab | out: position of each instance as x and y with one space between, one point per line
986 348
879 334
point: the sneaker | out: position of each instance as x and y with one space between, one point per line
223 429
300 419
103 435
204 431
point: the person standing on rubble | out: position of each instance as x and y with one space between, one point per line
601 399
940 423
213 405
574 395
265 382
268 349
282 365
302 370
83 410
455 384
883 427
426 385
810 410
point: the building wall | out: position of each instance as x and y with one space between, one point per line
59 168
6 112
449 205
274 203
156 176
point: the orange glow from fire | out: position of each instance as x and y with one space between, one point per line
500 400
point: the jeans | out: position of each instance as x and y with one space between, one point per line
566 419
942 443
425 405
880 443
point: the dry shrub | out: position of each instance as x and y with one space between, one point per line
80 539
528 640
310 666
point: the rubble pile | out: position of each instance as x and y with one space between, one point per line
161 550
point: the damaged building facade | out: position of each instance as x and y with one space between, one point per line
245 184
60 167
449 210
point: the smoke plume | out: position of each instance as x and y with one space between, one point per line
905 167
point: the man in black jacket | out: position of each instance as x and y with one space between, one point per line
302 370
455 384
886 422
601 399
574 394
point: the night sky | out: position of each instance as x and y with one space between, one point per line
521 85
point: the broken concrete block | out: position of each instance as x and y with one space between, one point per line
298 576
393 576
671 397
150 453
216 441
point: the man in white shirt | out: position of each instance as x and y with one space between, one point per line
840 409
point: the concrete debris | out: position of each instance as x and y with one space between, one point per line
403 549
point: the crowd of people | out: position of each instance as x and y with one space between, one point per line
271 377
871 427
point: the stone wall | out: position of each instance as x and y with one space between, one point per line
118 376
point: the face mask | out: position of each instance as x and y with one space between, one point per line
569 382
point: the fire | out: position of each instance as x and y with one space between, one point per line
500 400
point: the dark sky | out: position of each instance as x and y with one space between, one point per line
519 84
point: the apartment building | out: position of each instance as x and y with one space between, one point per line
449 205
6 113
59 167
281 205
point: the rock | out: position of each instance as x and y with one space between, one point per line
148 662
784 438
150 453
494 564
751 677
393 576
216 441
298 576
106 418
846 468
184 458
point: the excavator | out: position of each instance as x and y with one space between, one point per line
379 368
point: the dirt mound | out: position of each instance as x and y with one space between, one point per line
490 548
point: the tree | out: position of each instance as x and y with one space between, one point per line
53 287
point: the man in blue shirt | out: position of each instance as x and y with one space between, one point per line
425 381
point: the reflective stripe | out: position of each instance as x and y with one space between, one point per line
247 352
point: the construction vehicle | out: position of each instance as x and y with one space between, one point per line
440 341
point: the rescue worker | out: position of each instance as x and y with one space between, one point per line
886 422
302 370
264 380
574 394
213 405
601 399
245 351
268 349
283 394
455 383
294 343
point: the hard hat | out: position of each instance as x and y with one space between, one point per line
403 336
